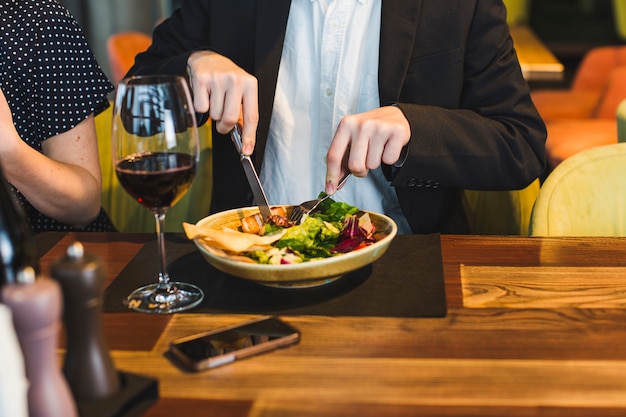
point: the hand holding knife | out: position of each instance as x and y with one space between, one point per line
251 174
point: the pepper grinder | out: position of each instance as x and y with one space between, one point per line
36 306
13 382
88 366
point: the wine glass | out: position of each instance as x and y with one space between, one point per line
155 154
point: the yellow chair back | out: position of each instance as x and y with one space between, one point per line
585 195
128 215
500 212
518 11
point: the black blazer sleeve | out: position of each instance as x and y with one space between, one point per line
472 120
473 124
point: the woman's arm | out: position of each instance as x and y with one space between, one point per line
65 181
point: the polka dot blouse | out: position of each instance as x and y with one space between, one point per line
50 79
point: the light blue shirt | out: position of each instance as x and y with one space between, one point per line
328 70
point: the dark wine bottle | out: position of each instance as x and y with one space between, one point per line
17 243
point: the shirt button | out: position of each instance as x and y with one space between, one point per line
328 91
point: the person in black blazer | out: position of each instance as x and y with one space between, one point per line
448 76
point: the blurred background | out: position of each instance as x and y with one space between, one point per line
102 18
572 27
568 27
582 110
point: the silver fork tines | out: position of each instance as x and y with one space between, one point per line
302 210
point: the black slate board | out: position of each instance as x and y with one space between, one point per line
407 281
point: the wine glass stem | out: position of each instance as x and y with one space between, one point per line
164 278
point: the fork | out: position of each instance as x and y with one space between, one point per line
307 207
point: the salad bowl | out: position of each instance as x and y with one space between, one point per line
295 275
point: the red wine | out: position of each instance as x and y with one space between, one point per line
157 180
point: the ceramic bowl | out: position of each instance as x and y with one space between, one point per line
305 274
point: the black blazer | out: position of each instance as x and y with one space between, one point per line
449 64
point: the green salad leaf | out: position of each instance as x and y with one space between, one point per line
315 237
335 211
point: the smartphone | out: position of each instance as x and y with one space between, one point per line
226 344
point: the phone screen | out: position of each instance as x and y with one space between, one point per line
224 345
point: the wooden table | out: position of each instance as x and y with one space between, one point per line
535 327
537 61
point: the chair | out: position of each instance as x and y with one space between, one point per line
122 48
621 122
619 15
584 196
589 85
500 212
518 11
568 136
584 116
129 216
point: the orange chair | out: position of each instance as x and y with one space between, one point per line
568 136
122 48
584 116
591 81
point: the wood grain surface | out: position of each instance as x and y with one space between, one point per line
535 327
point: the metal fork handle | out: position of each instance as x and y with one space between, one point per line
342 182
298 212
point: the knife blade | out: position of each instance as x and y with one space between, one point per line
251 175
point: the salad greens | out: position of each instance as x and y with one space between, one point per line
335 229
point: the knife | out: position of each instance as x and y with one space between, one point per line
251 175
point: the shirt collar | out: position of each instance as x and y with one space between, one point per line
328 1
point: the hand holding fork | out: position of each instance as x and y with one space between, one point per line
302 210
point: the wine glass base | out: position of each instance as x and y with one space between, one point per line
154 298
